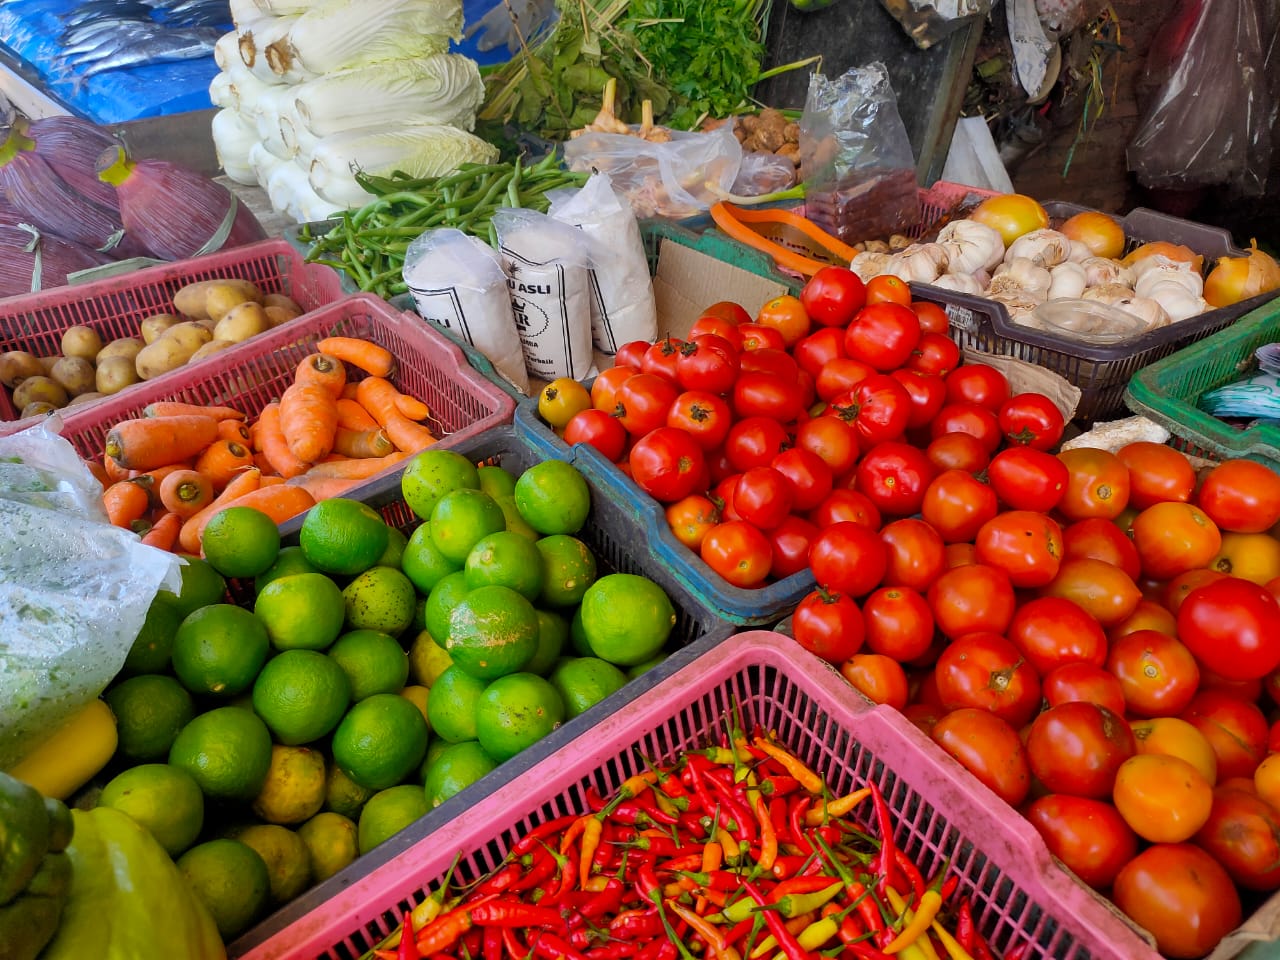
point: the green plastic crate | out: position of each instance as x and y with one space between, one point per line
1168 390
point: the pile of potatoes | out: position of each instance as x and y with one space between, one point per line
208 316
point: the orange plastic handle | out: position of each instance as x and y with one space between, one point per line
734 220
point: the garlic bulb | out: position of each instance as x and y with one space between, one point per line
1021 274
1067 280
970 246
1080 252
1182 276
1046 248
1107 292
1176 300
1020 307
894 266
868 264
1146 310
960 282
924 262
1100 270
1157 261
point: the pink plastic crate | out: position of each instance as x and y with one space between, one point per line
943 813
117 306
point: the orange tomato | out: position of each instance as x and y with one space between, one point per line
1182 895
887 288
959 555
1157 473
1173 737
1266 780
1176 590
1011 215
1163 798
1158 674
933 319
1147 615
604 391
691 519
1104 591
1253 556
728 310
879 678
1173 538
786 314
1241 496
1101 233
1097 484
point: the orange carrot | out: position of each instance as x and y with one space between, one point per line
352 416
357 469
412 407
324 371
150 480
99 472
274 446
246 482
172 408
308 420
363 443
369 357
125 502
155 441
262 463
348 392
234 430
115 473
222 460
273 481
378 396
186 492
324 488
164 532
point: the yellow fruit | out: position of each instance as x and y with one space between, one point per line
294 788
331 841
388 812
418 696
77 750
427 660
164 799
286 855
562 399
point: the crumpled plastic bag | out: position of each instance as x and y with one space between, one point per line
928 21
74 590
533 18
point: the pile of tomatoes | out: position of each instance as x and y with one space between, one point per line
1095 635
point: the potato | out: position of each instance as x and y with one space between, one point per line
191 336
43 389
190 300
36 408
86 397
81 341
124 347
210 348
280 300
279 315
221 298
162 356
48 363
116 373
153 327
17 365
242 322
74 374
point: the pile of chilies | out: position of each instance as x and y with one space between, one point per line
733 852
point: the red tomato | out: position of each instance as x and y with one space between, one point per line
841 506
1172 538
734 312
598 429
880 409
828 625
958 451
839 376
722 496
1083 681
923 716
887 288
787 315
933 319
1248 690
849 558
988 748
970 598
809 477
1243 834
691 519
1027 479
1233 627
703 416
894 477
762 497
766 395
1031 420
956 504
754 442
818 349
916 554
1089 836
667 464
986 671
604 391
883 335
1024 544
1076 748
644 401
1147 615
1052 632
832 439
777 363
1157 473
631 354
1100 540
1241 496
927 393
898 622
720 327
1157 673
662 358
1097 484
1181 895
968 418
1104 591
978 383
1236 729
707 362
756 336
879 679
935 354
833 295
791 540
738 552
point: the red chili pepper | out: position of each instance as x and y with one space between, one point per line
618 950
981 951
737 809
408 949
636 925
530 841
606 901
647 885
1019 952
580 939
830 833
910 871
444 931
542 867
865 951
513 944
471 943
709 804
595 802
739 930
660 949
949 887
492 949
795 823
721 880
655 813
500 881
551 947
887 861
779 785
568 867
788 865
798 885
850 930
787 942
964 924
682 864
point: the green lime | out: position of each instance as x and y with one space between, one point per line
578 641
458 766
495 481
153 645
381 599
331 841
227 750
219 650
444 596
434 749
506 559
493 631
582 682
343 795
451 708
461 519
304 611
394 553
380 741
301 695
289 560
240 542
374 663
433 473
286 856
515 712
150 710
231 879
422 563
201 586
388 812
343 536
164 799
570 569
639 668
553 634
627 618
294 788
515 523
553 497
427 660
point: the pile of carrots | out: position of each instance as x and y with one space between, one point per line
168 472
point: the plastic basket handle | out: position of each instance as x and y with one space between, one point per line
734 221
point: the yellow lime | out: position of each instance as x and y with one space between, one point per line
553 634
289 560
423 563
150 710
301 694
227 750
461 520
381 599
515 712
627 618
304 611
418 696
553 497
164 799
433 473
506 559
570 569
219 650
444 596
343 795
457 767
380 741
515 522
231 879
495 481
388 812
391 556
294 788
240 542
639 668
374 662
427 660
493 631
451 709
343 536
331 841
582 682
561 400
154 643
286 856
201 586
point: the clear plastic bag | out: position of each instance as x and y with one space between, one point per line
855 156
1209 121
928 21
762 173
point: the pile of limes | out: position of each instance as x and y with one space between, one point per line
373 677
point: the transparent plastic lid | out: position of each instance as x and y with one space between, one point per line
1088 321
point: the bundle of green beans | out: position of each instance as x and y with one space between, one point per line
370 243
